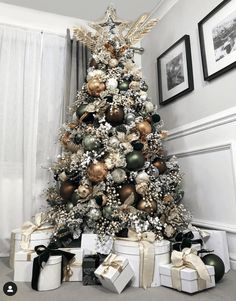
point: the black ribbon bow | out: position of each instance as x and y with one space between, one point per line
185 240
44 254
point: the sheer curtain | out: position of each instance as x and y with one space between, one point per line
32 89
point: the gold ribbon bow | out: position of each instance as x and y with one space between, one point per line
112 261
147 255
28 228
188 258
68 271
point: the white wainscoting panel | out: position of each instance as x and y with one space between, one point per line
206 151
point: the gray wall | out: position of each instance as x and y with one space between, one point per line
208 97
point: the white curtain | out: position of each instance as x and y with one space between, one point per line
32 65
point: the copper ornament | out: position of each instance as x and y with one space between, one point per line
95 87
126 190
97 172
160 165
168 198
67 189
148 207
144 128
115 116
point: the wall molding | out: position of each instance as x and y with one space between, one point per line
224 117
164 7
216 226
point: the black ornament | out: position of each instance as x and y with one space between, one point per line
138 146
77 139
81 110
156 118
109 98
217 263
98 200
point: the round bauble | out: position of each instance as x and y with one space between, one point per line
161 165
115 116
144 87
97 172
91 143
138 146
94 214
135 160
111 84
98 74
69 206
113 63
77 139
217 263
84 191
67 189
95 87
126 190
144 128
143 96
81 111
148 207
156 118
168 198
124 85
149 107
134 85
101 200
129 118
142 177
118 175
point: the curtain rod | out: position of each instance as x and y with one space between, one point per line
33 29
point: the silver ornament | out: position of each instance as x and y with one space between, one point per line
118 175
95 214
142 177
155 172
149 107
113 63
130 117
111 83
143 96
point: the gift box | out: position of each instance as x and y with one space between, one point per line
23 265
90 264
91 244
114 273
38 237
73 271
188 278
215 240
144 266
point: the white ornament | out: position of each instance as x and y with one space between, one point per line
149 107
111 83
113 63
143 96
99 74
118 175
142 177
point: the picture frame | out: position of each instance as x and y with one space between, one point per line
217 35
175 73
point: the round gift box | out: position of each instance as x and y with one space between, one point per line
131 250
50 275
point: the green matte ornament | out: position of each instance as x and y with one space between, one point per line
91 143
135 160
81 110
124 85
156 118
217 263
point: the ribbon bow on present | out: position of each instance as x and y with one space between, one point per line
39 262
28 228
112 261
188 258
147 255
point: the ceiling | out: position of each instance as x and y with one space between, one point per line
89 9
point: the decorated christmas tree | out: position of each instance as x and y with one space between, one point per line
114 173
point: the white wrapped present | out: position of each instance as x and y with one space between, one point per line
114 273
144 255
30 235
187 272
23 265
190 282
74 270
91 244
215 240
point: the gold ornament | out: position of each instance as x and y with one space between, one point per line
113 63
84 191
144 128
148 207
95 87
168 198
97 172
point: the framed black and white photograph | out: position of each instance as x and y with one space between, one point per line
174 67
217 33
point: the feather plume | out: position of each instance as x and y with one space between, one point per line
137 24
84 36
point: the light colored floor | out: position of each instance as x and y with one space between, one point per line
224 291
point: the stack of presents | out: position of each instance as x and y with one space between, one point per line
137 260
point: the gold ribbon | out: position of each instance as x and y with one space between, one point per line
188 258
28 228
147 255
112 261
68 270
